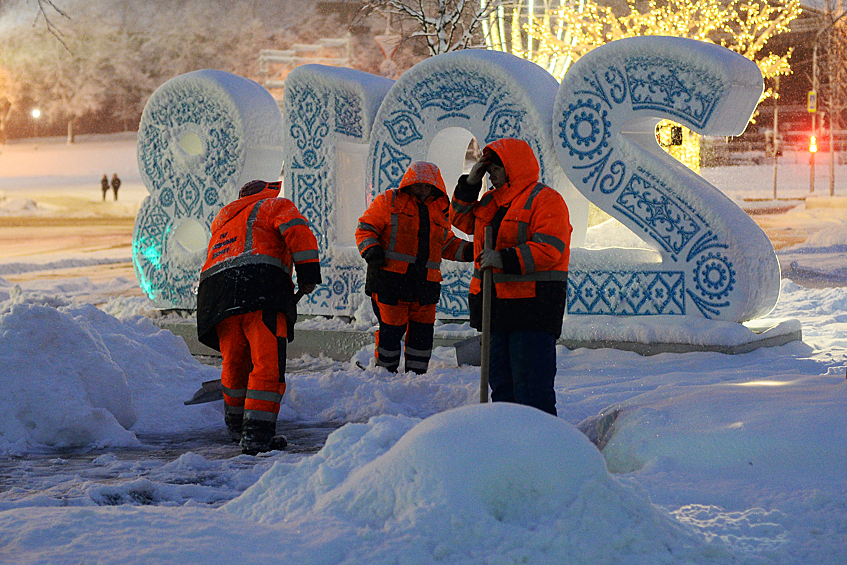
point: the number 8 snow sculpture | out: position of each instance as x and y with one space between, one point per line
202 136
715 261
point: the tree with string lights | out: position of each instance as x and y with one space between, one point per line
560 36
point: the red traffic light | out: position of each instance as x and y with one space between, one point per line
813 144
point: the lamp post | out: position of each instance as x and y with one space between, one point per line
775 141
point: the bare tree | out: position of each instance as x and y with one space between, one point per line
46 8
829 77
11 92
445 25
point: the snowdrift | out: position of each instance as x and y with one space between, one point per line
76 376
465 486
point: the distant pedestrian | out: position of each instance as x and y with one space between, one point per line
116 184
104 186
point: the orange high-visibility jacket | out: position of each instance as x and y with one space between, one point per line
257 241
392 221
534 234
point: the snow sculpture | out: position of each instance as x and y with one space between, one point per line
434 110
349 135
202 136
715 261
328 113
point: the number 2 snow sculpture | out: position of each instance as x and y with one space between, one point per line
715 261
202 136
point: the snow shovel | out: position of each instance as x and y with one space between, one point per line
487 281
211 391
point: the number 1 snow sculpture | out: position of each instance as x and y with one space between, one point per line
715 261
328 112
202 136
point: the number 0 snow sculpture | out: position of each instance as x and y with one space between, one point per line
202 136
433 111
715 261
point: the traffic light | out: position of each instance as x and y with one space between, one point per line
813 144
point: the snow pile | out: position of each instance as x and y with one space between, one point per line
354 395
738 434
469 485
14 207
75 376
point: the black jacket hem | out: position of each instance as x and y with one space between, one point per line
239 290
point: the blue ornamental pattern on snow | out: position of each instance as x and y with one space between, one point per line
176 112
667 219
585 129
176 193
317 117
670 86
626 293
454 94
454 293
348 115
339 283
308 110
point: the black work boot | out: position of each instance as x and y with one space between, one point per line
257 436
233 425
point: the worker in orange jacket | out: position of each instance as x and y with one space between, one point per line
246 305
403 235
532 234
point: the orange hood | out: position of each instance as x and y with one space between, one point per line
521 167
424 173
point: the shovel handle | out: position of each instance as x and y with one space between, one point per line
487 290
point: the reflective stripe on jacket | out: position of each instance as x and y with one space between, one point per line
261 228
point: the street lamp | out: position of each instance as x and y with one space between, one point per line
36 116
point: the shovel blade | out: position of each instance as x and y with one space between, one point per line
210 391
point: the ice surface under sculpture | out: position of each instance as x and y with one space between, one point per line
202 136
713 260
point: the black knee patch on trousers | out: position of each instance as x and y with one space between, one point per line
269 317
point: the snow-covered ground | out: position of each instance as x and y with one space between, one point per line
714 458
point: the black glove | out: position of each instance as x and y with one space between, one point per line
374 255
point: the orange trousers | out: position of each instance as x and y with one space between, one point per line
253 347
412 319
